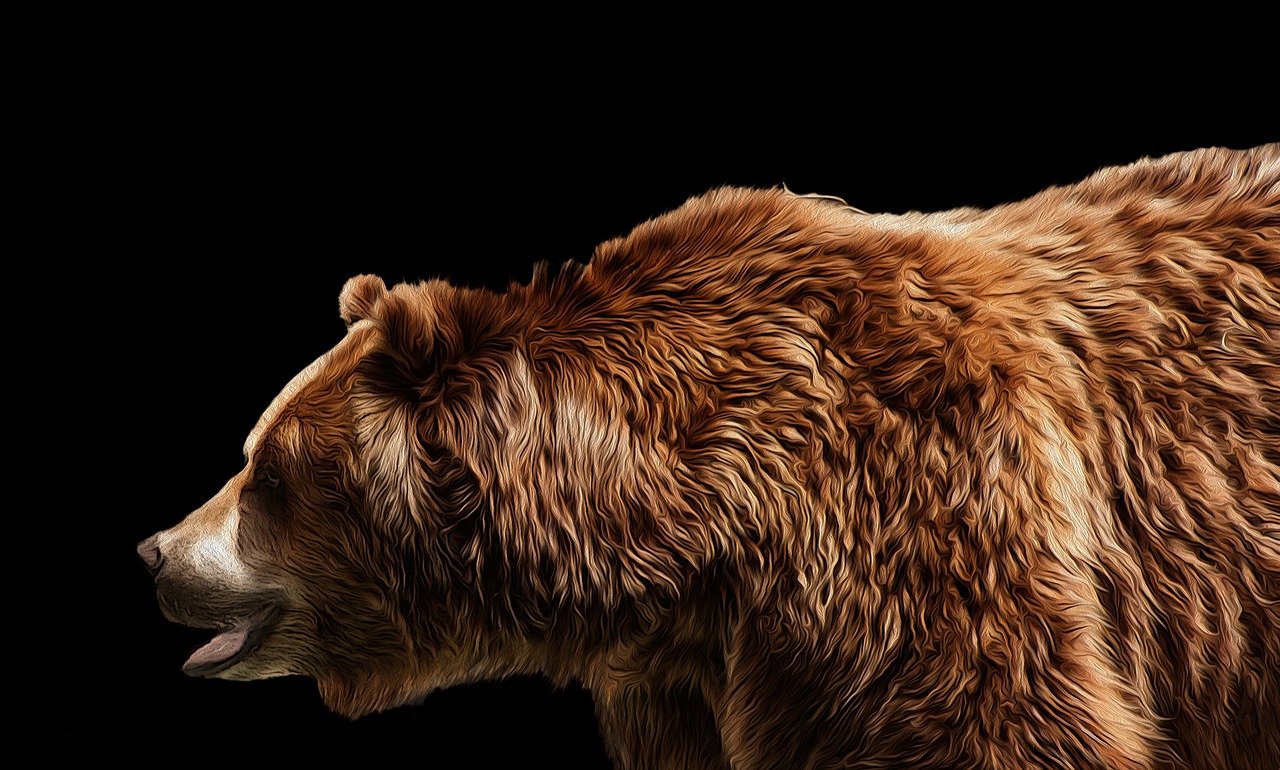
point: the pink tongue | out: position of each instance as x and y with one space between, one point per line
219 649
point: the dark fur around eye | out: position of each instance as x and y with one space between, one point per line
265 492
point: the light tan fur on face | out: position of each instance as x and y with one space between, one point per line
205 545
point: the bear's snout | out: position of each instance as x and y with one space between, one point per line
200 577
202 582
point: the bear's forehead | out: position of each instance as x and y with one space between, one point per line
328 366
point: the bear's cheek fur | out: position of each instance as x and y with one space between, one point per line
338 615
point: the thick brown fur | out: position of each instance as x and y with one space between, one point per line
786 485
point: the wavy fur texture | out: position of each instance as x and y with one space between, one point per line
787 485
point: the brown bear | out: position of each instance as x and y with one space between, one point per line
788 485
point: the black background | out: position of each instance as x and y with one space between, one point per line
214 211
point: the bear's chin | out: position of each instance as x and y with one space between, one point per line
251 670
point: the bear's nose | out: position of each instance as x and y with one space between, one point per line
149 550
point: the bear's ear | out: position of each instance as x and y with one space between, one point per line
416 326
409 322
359 297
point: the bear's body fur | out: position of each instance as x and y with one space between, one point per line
787 485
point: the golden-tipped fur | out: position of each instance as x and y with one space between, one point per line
788 485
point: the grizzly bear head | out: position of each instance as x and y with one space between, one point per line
340 551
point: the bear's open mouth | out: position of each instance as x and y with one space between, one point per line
231 645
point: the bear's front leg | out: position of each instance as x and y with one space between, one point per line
658 728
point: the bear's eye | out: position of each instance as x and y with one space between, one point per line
265 494
268 478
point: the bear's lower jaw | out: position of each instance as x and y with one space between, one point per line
230 647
